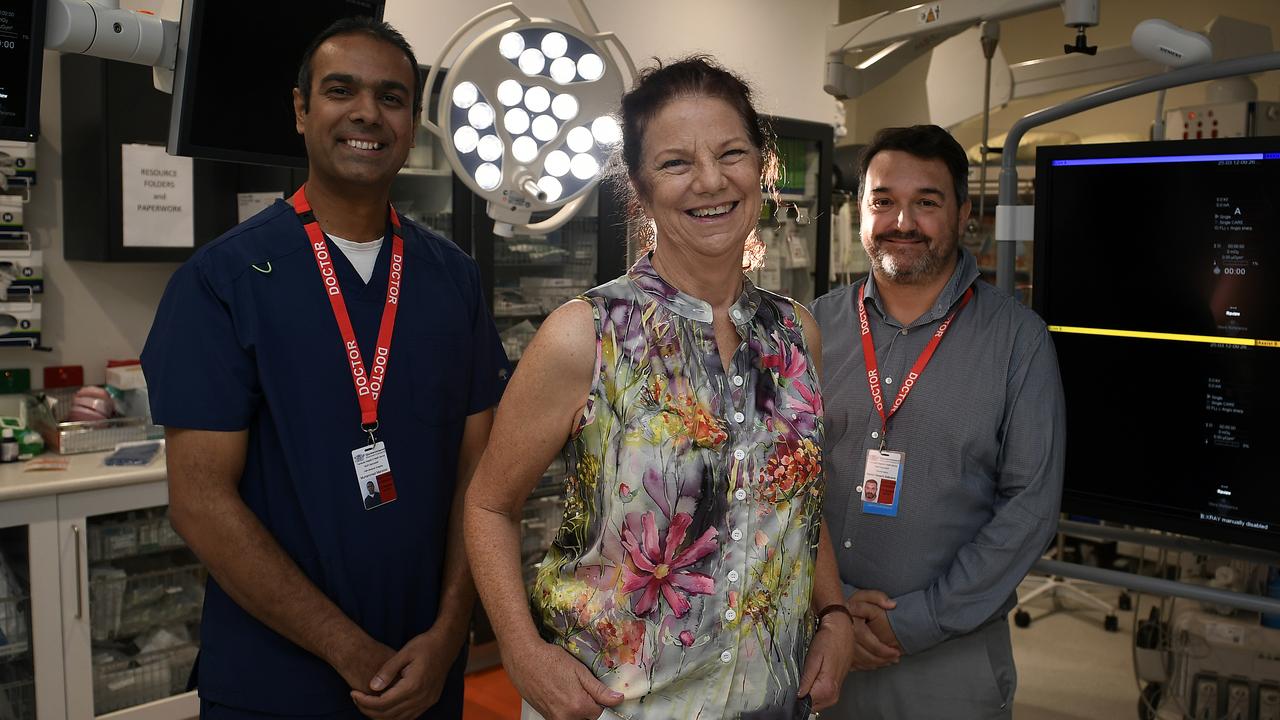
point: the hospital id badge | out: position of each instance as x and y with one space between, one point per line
373 475
882 482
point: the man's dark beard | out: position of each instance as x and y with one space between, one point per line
927 264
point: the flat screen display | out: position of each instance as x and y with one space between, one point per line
1157 269
237 65
21 62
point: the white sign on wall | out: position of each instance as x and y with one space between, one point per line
157 197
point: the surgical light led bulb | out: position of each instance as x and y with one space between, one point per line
511 45
580 140
584 166
516 121
605 129
510 92
563 70
544 127
465 139
565 106
524 149
537 99
590 66
489 148
465 95
532 61
488 176
557 163
554 44
480 116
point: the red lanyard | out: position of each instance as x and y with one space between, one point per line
368 384
904 387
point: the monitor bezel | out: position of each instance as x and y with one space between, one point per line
1114 508
186 64
30 129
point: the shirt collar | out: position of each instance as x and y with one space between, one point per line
964 275
647 279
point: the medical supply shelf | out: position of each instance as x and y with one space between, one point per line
107 602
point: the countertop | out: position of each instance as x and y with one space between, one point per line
86 472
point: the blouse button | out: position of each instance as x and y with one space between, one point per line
736 534
739 417
726 656
739 453
730 614
740 494
733 576
737 380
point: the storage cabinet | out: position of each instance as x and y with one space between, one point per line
100 605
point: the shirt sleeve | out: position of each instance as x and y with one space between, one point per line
490 368
986 571
199 374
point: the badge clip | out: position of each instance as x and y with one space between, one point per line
370 428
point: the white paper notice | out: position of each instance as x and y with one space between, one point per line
157 197
250 204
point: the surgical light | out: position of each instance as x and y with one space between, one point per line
524 112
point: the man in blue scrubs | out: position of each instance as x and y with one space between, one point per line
293 366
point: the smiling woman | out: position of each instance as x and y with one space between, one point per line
685 400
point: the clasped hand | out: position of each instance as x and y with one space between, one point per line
875 644
402 685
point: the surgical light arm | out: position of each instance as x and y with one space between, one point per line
102 29
904 35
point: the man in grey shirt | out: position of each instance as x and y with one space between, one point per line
969 464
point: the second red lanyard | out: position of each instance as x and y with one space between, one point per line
904 387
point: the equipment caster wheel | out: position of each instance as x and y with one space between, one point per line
1125 602
1022 618
1111 623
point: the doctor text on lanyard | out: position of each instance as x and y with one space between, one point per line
373 472
882 481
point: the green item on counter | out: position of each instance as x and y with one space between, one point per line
30 444
9 421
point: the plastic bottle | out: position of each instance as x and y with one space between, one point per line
8 446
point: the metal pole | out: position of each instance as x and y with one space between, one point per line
1172 542
1156 586
1005 252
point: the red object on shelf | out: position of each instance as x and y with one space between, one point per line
123 363
64 376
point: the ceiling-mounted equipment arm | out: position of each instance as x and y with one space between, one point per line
913 31
102 29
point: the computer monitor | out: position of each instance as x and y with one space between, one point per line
21 62
1157 269
237 65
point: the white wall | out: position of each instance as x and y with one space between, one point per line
776 44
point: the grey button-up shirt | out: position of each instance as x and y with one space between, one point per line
983 433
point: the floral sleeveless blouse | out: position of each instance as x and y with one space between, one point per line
682 572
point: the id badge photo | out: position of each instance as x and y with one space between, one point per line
881 486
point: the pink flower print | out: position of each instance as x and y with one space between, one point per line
657 568
810 400
686 638
789 362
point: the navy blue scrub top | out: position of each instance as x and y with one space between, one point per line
245 338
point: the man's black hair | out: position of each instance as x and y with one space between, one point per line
375 29
928 142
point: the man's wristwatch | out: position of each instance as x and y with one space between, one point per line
834 608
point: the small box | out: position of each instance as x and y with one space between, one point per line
26 267
60 376
10 213
126 377
24 158
20 324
